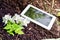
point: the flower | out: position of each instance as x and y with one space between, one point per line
25 22
18 19
6 18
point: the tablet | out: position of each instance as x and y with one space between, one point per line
38 16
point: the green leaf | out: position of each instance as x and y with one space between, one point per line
21 27
14 27
7 26
10 32
18 31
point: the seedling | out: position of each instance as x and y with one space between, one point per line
14 24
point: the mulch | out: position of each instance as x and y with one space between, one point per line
32 31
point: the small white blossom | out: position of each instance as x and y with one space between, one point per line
6 18
25 22
18 19
15 17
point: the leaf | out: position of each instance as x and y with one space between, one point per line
7 27
18 31
10 32
21 27
14 27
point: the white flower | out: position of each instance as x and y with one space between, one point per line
18 19
6 18
15 17
25 22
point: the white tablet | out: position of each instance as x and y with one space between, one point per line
38 16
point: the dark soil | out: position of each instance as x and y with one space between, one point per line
32 31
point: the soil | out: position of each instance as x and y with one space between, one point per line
32 31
